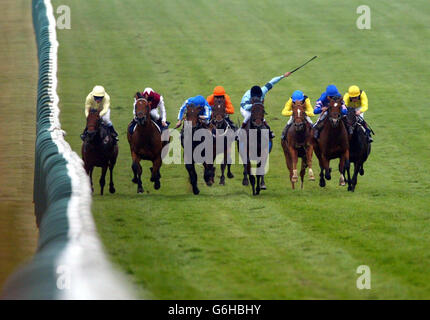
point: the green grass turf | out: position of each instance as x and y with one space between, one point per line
283 244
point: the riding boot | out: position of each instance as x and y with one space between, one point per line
84 134
113 132
285 131
317 128
271 134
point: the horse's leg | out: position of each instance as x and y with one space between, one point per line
322 181
251 177
102 180
302 172
193 177
245 180
222 178
90 173
257 189
263 184
137 170
309 152
111 185
357 167
342 171
294 159
207 174
155 173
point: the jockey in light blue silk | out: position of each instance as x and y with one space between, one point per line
259 93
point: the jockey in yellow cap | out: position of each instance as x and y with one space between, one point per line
357 99
98 99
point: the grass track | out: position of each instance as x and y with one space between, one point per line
283 244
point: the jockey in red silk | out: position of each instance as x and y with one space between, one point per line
156 103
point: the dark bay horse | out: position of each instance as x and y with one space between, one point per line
333 143
145 144
192 117
359 146
255 146
99 150
222 132
298 144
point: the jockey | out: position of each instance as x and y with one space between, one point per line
156 103
323 104
229 108
357 99
297 96
98 99
257 92
197 101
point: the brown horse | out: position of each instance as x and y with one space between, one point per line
333 143
99 150
255 146
222 131
145 144
192 115
298 143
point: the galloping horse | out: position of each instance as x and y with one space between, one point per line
298 143
192 116
359 146
260 151
99 150
145 144
218 122
333 143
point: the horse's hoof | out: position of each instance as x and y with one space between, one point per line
140 190
196 190
245 182
222 181
361 171
328 176
294 179
230 175
112 190
134 180
209 183
263 186
311 178
157 185
322 183
257 190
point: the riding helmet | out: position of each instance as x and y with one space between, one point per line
297 96
256 92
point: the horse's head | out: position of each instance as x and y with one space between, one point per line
299 115
351 118
218 112
192 114
334 110
257 114
93 123
142 109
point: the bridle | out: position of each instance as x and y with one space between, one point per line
141 117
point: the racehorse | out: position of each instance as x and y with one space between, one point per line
193 117
298 143
219 122
145 144
99 150
333 143
260 151
359 146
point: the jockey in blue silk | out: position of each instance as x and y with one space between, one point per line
257 92
197 101
323 104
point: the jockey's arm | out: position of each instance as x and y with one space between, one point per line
318 107
309 110
344 109
162 109
106 105
270 84
88 102
229 108
364 102
288 109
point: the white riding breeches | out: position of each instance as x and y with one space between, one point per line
106 119
307 118
154 112
246 115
